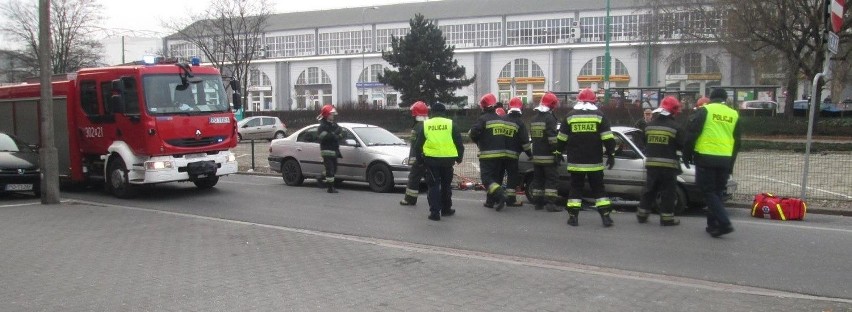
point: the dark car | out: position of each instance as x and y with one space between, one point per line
19 170
625 180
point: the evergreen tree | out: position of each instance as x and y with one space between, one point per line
426 69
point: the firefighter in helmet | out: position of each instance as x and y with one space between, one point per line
546 157
664 137
329 135
583 134
701 102
420 112
491 134
520 143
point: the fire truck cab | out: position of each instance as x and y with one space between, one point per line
133 125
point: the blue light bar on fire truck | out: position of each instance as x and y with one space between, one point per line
195 60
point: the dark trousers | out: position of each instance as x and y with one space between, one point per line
713 182
330 164
659 182
545 184
492 172
415 174
578 180
439 177
513 180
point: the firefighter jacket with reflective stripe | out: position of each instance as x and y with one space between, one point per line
583 134
412 152
492 134
543 135
521 142
434 143
714 136
329 135
663 137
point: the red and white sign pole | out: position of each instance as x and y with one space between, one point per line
836 9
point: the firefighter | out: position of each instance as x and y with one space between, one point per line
664 137
420 112
701 102
545 157
520 143
713 141
329 138
583 134
491 133
438 145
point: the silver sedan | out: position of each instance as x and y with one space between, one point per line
370 154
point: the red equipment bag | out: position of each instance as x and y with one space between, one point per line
769 206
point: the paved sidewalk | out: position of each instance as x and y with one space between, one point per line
80 257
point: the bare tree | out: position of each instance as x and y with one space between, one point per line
72 22
229 34
789 32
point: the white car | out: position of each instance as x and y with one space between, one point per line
261 128
369 154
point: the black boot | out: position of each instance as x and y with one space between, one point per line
607 221
331 188
642 219
435 216
448 212
573 220
551 207
501 200
669 222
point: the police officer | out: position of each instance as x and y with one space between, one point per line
583 134
664 137
545 157
438 145
491 134
329 138
712 144
420 112
520 143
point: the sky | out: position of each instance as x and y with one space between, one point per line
124 17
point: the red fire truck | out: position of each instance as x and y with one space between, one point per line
132 125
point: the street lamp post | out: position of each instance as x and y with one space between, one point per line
606 56
364 49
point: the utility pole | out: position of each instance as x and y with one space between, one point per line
606 56
47 151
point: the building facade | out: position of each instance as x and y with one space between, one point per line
514 48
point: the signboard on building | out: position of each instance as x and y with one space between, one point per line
369 85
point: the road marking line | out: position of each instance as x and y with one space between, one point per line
32 203
799 185
512 260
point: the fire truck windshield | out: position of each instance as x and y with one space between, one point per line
165 95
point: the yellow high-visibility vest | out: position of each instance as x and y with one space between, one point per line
717 136
439 138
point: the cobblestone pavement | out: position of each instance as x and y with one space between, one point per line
81 257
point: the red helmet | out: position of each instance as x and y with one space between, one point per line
516 103
703 100
326 111
488 100
419 108
671 105
550 100
500 112
587 95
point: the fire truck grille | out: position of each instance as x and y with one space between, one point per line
193 142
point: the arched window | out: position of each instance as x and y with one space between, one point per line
259 91
693 72
373 92
522 78
592 73
313 89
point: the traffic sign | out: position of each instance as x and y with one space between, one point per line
837 8
833 42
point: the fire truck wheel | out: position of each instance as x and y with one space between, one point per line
117 183
207 182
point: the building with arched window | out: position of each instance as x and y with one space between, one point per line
514 49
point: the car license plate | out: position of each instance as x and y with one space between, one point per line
199 155
220 120
19 187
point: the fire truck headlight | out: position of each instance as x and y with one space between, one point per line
232 157
158 165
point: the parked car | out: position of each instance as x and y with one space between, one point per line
19 169
261 128
625 180
759 107
370 154
826 109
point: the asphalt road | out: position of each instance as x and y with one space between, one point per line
809 257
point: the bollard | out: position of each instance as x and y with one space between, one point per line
252 155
